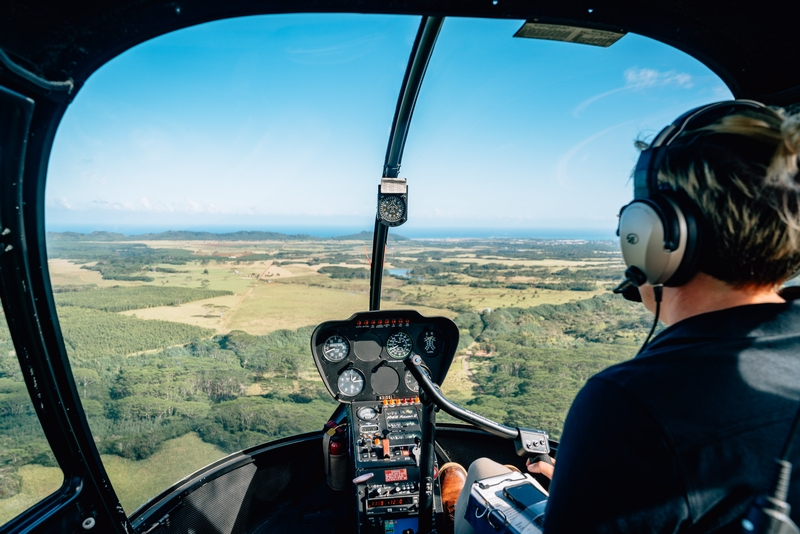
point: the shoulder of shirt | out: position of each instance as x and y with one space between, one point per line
753 320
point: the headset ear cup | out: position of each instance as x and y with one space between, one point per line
654 237
683 208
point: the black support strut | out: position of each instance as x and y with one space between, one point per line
412 81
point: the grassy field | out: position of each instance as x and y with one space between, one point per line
37 483
476 298
137 482
269 307
209 313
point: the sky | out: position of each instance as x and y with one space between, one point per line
281 122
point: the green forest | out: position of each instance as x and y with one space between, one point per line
530 363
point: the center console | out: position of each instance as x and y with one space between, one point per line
361 363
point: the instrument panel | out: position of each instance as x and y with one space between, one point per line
361 358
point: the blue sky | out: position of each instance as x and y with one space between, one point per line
281 122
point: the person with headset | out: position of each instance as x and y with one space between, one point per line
683 437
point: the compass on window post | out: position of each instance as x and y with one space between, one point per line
393 201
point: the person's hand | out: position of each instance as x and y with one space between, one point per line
541 468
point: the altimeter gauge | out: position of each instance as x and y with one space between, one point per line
335 348
351 382
399 345
411 382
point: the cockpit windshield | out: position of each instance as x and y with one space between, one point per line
211 197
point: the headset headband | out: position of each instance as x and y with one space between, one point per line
645 177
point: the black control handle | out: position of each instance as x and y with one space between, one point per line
529 443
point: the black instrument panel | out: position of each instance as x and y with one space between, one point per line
361 358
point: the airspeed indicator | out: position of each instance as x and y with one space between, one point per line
399 345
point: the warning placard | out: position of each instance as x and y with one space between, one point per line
396 475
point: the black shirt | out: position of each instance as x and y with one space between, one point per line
683 437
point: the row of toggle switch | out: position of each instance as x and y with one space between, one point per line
393 401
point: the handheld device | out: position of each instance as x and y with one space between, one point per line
523 495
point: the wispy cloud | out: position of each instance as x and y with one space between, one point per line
637 79
144 204
562 177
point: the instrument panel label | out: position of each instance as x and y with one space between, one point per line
396 475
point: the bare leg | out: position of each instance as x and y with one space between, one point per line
480 468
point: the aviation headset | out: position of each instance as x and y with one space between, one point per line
661 231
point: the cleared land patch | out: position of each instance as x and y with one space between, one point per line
273 307
207 313
93 334
68 273
118 299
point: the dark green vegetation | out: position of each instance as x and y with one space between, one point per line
344 272
93 334
134 403
118 299
530 363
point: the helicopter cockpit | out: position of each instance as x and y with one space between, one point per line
213 322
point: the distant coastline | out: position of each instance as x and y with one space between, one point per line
300 232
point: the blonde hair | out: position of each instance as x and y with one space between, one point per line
741 172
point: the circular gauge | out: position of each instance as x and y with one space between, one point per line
335 348
411 382
391 209
351 382
367 413
367 347
384 381
399 345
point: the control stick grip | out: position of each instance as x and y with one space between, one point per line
542 458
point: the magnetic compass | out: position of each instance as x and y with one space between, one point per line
391 209
392 201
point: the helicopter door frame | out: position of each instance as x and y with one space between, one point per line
86 499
